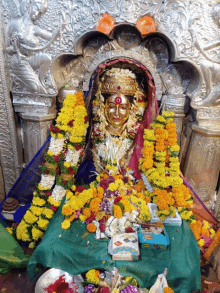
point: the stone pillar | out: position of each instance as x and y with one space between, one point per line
203 162
176 103
37 113
35 132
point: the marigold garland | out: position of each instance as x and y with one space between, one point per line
60 163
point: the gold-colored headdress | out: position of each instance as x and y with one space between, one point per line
119 80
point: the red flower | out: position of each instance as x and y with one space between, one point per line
64 182
71 170
70 123
56 158
60 286
43 163
104 184
102 227
117 199
86 119
48 193
54 129
78 146
58 170
53 208
90 219
141 100
105 289
80 189
129 230
47 171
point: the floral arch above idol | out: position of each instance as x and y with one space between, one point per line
110 172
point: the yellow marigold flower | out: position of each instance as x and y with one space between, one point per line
40 187
50 153
92 277
60 135
65 225
48 213
73 187
30 218
37 201
71 147
69 194
10 230
168 114
67 164
98 178
113 186
32 245
36 233
36 210
206 224
42 223
56 203
82 218
117 211
201 242
175 148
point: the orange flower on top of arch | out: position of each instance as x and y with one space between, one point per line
146 25
105 24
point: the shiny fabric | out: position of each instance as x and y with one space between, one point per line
11 254
76 251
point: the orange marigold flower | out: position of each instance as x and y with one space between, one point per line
66 211
105 176
100 192
94 205
97 273
86 212
140 195
117 211
168 290
91 227
72 217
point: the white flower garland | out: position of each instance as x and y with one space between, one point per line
47 181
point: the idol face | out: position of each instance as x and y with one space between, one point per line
117 110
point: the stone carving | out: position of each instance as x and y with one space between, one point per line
30 66
10 163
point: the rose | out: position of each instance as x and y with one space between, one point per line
70 123
48 193
117 199
71 170
80 189
129 230
86 119
90 219
43 163
58 170
78 147
64 182
47 171
54 129
125 179
56 158
104 184
53 208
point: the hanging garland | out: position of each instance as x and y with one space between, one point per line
60 164
160 164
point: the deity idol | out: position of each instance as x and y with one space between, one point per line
105 190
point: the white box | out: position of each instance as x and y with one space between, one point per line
177 221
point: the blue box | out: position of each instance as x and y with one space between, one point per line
153 236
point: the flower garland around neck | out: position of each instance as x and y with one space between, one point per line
160 164
60 164
109 149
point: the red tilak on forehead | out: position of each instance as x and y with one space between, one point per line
118 100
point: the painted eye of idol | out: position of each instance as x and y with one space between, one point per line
117 109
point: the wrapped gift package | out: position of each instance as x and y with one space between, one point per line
125 247
153 236
177 221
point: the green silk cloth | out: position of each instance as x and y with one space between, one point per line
11 254
76 251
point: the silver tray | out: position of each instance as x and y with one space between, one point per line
50 276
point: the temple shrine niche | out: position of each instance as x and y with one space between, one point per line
52 48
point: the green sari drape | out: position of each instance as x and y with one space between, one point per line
11 254
76 251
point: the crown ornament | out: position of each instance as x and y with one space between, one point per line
119 80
